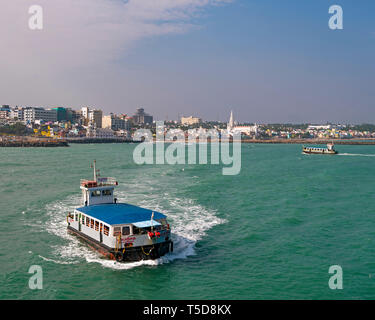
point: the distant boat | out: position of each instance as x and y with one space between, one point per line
313 150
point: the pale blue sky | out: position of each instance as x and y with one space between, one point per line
269 61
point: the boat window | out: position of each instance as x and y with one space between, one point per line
92 223
136 230
96 193
125 231
141 230
106 230
101 227
76 216
107 192
116 231
87 221
96 225
83 219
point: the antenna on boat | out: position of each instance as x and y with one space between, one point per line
94 166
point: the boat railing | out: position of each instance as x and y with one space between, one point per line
100 182
108 181
88 183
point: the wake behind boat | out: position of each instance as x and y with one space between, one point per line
120 231
313 150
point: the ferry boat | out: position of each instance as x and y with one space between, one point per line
313 150
120 231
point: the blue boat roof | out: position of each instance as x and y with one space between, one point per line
120 213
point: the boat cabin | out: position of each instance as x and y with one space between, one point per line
98 192
120 225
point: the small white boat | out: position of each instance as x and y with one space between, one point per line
314 150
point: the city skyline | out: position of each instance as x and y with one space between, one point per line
24 114
268 62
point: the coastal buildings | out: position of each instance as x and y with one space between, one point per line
190 120
68 122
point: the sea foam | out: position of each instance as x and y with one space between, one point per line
189 222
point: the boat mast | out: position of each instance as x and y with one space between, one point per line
94 166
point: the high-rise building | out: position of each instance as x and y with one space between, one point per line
115 123
95 117
142 118
85 112
61 113
71 115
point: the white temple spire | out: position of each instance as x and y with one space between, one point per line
231 122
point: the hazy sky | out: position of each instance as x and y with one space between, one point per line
269 61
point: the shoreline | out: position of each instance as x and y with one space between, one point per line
313 141
32 143
25 142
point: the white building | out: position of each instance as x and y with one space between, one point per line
248 130
85 112
100 133
31 114
123 134
95 117
190 120
319 127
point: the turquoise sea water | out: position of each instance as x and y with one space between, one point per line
271 232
